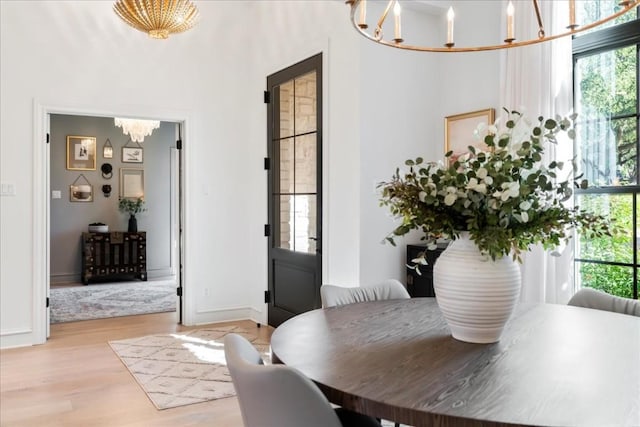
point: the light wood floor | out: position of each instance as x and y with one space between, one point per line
75 379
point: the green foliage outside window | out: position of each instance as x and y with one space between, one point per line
617 248
613 279
608 86
607 105
596 88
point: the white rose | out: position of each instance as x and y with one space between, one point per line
450 199
511 190
525 205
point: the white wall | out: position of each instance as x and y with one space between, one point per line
78 55
291 32
470 81
405 97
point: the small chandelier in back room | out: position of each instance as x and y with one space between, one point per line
394 39
158 18
137 129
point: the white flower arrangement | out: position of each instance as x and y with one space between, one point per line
506 197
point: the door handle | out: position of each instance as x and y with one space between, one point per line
315 239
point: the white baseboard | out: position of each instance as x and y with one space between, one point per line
24 337
228 315
160 273
16 338
57 279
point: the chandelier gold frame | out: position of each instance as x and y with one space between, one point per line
510 42
158 18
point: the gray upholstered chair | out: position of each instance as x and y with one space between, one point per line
278 395
591 298
332 295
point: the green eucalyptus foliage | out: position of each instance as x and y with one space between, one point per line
132 206
506 197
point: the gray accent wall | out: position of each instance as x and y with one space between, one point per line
70 219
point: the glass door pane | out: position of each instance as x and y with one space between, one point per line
286 110
296 165
305 164
305 103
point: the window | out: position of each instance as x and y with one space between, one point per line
606 94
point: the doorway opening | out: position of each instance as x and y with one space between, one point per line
100 261
163 251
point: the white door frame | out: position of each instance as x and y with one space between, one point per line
42 190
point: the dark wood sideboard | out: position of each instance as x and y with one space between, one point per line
421 285
114 256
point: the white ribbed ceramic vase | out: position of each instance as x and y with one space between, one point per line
475 294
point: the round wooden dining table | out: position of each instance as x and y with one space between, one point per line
554 365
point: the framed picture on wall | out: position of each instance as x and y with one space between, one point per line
81 193
107 149
132 154
81 153
131 183
458 131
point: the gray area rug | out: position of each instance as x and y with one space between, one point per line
99 301
184 367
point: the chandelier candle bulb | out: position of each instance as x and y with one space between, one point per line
572 14
363 14
510 13
450 16
398 31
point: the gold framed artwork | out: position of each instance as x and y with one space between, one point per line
131 183
458 131
81 153
81 190
81 193
107 149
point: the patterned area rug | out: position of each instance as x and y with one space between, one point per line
99 301
183 368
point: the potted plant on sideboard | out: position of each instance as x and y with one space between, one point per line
132 207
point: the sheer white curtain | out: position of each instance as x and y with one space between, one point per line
537 80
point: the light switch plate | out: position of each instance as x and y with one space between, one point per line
7 189
56 194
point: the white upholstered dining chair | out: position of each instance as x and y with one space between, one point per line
332 295
591 298
278 395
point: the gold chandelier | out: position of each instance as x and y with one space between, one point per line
359 12
158 18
